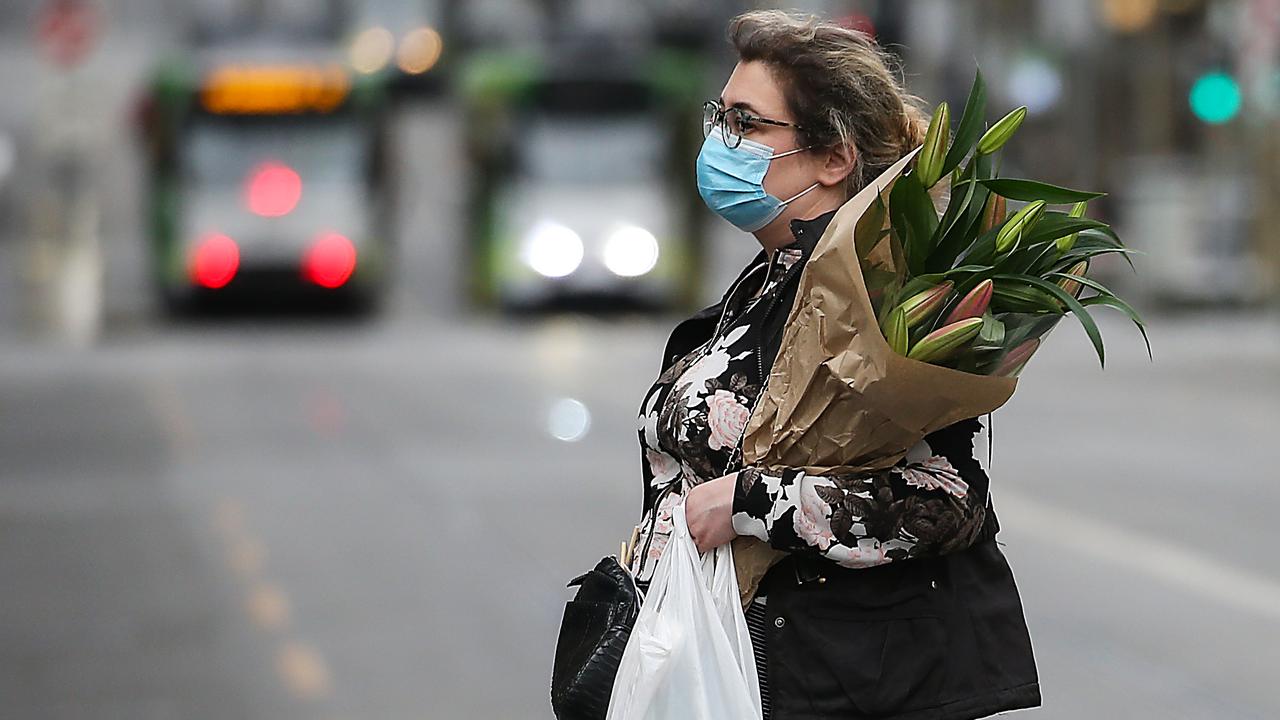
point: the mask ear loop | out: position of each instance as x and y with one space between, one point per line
775 156
786 202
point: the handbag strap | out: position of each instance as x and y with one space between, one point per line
653 522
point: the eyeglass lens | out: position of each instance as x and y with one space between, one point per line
727 119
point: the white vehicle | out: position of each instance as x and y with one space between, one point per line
589 214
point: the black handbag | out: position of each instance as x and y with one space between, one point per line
593 633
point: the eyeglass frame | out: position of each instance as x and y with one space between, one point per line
719 118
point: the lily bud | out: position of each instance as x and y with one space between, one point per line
929 161
1009 235
920 306
940 343
1073 286
1013 360
895 330
993 212
1068 242
973 304
997 135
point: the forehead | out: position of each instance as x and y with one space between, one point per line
753 86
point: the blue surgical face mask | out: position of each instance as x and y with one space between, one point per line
731 181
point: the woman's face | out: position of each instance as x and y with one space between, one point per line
752 87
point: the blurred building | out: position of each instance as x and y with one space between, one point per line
1168 105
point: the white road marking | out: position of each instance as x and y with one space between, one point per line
1178 565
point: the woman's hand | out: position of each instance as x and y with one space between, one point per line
708 509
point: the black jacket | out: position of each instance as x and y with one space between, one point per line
929 638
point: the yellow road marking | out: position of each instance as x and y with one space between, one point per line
268 606
302 670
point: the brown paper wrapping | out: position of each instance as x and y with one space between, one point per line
838 398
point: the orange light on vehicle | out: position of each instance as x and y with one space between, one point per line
419 50
371 49
329 261
272 189
274 89
215 261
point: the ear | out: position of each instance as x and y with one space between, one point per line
836 164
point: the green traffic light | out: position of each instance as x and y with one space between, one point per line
1215 97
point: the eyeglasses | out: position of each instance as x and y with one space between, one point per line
733 122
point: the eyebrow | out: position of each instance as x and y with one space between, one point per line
741 104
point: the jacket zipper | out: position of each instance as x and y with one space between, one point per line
769 309
736 455
702 351
729 299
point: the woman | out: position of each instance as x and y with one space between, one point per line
894 600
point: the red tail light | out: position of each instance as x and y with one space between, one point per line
329 261
215 261
272 189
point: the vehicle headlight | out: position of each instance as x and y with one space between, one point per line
552 250
630 251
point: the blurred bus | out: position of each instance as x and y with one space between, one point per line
582 180
267 178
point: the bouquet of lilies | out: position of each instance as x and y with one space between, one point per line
907 320
978 288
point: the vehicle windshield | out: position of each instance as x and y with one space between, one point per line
592 150
320 151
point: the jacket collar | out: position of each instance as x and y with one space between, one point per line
807 232
687 333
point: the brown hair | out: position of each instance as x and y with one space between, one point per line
839 86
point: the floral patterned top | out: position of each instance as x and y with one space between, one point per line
691 425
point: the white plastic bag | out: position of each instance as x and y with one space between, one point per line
689 655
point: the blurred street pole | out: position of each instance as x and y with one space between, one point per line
1260 29
64 260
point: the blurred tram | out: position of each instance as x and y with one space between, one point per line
267 179
582 180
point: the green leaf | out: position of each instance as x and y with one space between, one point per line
1025 259
1052 227
992 331
1046 260
961 221
1098 235
870 229
1086 281
911 207
1106 297
896 252
1029 190
1077 253
1086 320
964 269
983 250
970 127
1122 306
888 303
1107 231
1028 300
957 202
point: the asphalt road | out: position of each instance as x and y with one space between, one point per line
315 519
